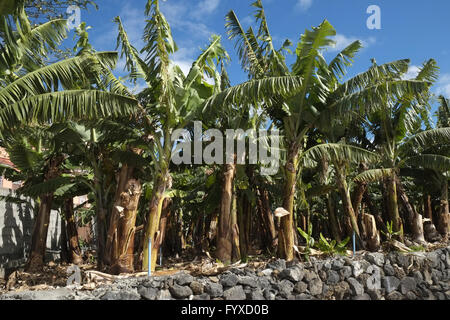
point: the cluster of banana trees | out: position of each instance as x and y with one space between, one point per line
349 145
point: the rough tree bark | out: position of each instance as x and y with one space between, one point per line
392 205
75 254
414 219
358 193
225 227
153 220
122 257
286 234
36 258
347 202
444 216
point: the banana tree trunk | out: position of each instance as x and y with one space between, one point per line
392 205
333 220
225 231
358 193
64 255
286 234
153 221
236 251
36 258
414 219
444 216
427 209
267 220
126 210
242 219
75 254
346 199
163 224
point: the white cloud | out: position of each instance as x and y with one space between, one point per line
303 5
343 41
412 73
443 85
183 17
207 6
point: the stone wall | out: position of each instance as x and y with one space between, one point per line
16 226
372 276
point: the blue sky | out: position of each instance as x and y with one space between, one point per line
413 29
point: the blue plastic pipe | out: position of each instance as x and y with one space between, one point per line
354 243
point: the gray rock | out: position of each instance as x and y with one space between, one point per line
395 296
197 287
375 258
375 294
389 270
434 258
303 296
357 268
356 288
411 296
180 292
121 295
327 265
364 296
341 290
309 276
407 284
447 295
279 265
404 261
285 288
333 277
164 295
300 287
315 287
148 293
229 280
267 272
390 284
292 274
53 295
184 279
215 290
338 264
346 272
255 295
202 297
269 294
248 281
235 293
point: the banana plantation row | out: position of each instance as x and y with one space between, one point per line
361 155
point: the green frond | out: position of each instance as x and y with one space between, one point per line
374 175
429 71
246 46
429 138
66 73
133 63
429 161
344 59
256 91
65 105
375 97
339 152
